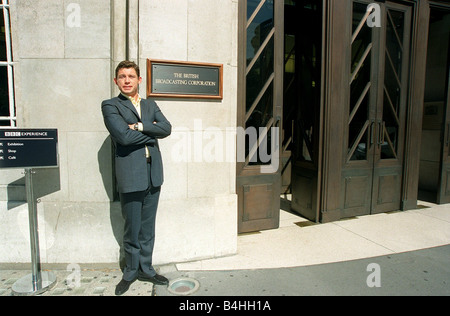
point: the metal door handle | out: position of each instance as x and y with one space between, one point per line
372 130
292 132
277 121
448 134
381 125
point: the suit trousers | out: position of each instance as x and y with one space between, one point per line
139 211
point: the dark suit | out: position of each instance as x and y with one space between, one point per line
139 179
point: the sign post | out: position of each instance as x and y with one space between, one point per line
38 281
30 149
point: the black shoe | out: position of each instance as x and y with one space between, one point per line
156 279
123 286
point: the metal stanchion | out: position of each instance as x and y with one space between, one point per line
38 281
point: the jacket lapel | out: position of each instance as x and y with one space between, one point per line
127 103
144 108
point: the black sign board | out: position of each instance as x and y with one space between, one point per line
28 148
177 79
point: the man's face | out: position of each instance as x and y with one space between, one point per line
128 81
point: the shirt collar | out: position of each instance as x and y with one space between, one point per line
135 102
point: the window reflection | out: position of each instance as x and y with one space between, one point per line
4 96
260 59
392 83
260 27
2 37
358 129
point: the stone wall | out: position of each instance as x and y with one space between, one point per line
65 53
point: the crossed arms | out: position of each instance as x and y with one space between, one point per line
123 132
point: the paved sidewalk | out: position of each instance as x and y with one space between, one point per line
95 281
300 258
299 242
423 272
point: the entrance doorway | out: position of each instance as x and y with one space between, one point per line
260 101
279 105
434 177
337 89
374 139
302 106
369 119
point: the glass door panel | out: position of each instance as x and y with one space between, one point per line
260 73
391 108
360 86
378 82
393 84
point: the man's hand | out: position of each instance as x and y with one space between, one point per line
131 126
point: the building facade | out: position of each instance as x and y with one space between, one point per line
340 103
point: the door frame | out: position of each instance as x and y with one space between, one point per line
335 38
253 185
306 173
392 169
336 94
373 184
443 192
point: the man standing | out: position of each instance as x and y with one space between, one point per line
135 125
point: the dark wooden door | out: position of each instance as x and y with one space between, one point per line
303 101
391 108
259 114
372 174
444 181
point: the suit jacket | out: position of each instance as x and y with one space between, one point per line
130 156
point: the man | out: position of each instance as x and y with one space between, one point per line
135 125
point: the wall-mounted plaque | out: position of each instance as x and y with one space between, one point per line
177 79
